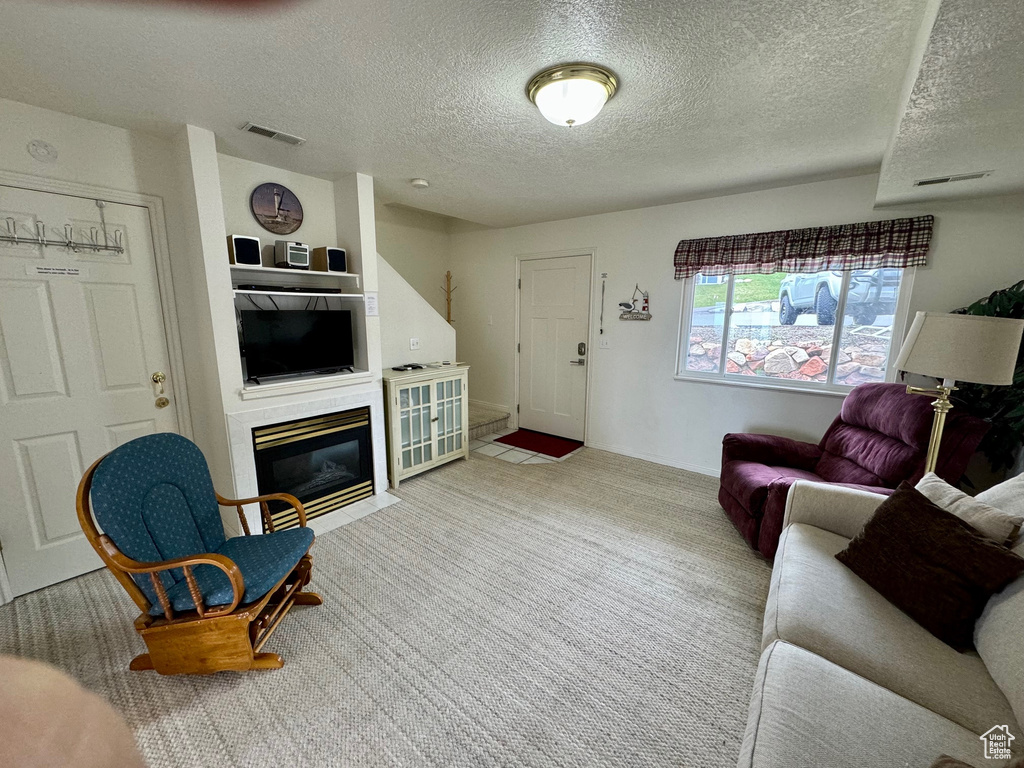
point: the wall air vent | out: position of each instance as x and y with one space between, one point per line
956 177
270 133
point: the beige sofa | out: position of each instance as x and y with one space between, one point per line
847 679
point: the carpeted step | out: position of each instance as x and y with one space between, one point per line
484 421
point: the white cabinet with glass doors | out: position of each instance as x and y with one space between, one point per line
427 417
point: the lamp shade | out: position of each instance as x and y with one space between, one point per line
973 348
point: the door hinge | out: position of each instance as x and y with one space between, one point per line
520 283
517 407
519 347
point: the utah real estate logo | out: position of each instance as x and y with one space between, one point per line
997 742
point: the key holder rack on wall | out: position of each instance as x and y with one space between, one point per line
111 243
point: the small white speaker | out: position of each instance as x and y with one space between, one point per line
330 259
243 249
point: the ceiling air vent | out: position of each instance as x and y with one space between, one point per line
947 179
270 133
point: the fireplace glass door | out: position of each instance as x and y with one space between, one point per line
326 462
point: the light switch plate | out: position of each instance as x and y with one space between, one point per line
604 344
414 343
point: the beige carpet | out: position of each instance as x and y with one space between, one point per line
596 612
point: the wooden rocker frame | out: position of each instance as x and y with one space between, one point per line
207 639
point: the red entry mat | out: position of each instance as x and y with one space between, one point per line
538 442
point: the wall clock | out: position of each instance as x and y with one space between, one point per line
276 208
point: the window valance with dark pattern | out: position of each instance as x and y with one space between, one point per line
867 245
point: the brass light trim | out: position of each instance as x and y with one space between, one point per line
574 71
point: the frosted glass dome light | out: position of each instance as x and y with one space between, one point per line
572 94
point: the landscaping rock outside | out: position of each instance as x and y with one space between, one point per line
798 353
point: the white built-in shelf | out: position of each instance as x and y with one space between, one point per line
288 386
298 294
295 272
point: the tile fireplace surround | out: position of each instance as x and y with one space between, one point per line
243 458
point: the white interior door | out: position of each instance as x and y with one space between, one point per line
77 353
554 321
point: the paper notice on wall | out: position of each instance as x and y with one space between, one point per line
33 269
370 298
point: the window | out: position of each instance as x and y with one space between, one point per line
819 330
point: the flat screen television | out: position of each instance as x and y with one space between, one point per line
294 341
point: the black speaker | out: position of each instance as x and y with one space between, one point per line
244 250
330 260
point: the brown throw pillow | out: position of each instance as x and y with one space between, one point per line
930 564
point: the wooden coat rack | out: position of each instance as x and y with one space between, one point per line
448 291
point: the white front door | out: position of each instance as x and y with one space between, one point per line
77 353
554 327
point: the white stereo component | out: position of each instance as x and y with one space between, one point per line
291 255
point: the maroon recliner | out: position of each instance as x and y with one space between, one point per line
879 439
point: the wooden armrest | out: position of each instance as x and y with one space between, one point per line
226 564
287 498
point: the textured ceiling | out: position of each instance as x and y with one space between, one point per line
717 95
966 110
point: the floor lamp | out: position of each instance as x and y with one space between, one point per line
971 348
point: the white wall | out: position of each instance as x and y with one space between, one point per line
406 315
417 244
239 177
636 406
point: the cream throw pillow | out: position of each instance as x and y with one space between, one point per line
998 524
1007 496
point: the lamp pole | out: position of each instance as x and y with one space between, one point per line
942 406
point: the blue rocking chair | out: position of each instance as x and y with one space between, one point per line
209 603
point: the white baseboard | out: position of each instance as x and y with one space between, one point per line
656 458
491 406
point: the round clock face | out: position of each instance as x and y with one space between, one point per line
276 208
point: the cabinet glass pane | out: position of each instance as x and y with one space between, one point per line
451 417
426 422
458 441
440 447
458 414
426 393
416 396
440 390
448 388
426 452
416 426
417 455
406 459
458 387
405 429
451 444
403 398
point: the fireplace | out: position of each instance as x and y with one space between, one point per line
325 461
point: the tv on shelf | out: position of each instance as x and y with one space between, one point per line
290 342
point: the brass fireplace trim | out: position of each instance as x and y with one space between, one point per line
289 518
280 434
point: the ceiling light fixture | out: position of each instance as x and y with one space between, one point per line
572 94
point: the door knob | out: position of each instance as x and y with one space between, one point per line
580 361
158 380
